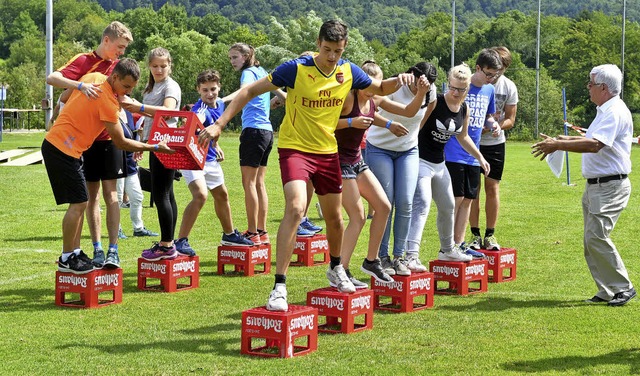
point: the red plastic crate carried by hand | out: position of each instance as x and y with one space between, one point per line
184 140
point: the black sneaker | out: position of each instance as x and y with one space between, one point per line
375 270
113 260
98 258
76 264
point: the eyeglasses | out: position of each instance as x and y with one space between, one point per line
591 83
490 75
460 90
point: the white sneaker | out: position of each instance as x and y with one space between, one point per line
455 254
278 298
414 264
476 243
338 278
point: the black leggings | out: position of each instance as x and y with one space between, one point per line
163 198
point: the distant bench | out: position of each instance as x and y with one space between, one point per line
29 159
6 156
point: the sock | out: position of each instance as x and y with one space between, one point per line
166 249
489 232
348 273
260 231
97 245
77 251
280 278
65 256
475 231
335 261
113 246
366 260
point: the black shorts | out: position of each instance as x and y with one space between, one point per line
494 154
255 147
104 161
352 171
65 175
465 179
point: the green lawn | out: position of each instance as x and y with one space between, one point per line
536 323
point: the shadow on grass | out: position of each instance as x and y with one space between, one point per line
35 238
624 357
493 304
216 341
27 300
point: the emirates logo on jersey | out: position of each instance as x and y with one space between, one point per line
340 77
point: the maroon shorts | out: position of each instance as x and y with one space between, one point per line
322 169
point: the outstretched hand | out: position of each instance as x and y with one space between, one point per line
209 134
545 147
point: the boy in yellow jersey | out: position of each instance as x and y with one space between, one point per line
316 89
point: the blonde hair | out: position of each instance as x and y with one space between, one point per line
505 56
156 52
117 30
460 72
371 68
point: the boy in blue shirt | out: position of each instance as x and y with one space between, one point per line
209 108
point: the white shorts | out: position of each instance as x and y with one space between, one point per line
212 175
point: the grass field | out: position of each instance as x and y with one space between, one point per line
535 324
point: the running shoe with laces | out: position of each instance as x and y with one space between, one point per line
375 270
278 298
235 239
476 243
254 237
76 264
308 225
121 234
387 265
491 243
414 264
338 278
470 252
304 233
264 237
98 258
455 254
359 285
144 232
399 265
158 252
113 260
184 248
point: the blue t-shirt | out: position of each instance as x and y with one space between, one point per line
210 116
256 113
480 102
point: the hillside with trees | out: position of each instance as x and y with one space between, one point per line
570 46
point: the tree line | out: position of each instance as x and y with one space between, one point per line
570 46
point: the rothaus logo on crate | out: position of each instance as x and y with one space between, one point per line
475 270
420 284
361 302
72 280
395 285
193 146
315 245
170 138
238 255
327 302
153 267
262 253
106 280
446 270
303 322
264 323
184 266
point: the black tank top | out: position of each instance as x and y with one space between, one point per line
441 125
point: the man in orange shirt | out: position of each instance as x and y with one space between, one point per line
82 120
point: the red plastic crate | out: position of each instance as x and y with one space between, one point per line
184 140
89 286
461 278
307 248
169 272
502 264
245 259
403 292
342 309
279 331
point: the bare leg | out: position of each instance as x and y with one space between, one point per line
198 191
72 226
110 194
223 208
295 197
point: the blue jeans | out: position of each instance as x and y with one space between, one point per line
397 172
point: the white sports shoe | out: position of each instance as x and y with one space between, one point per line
338 278
414 264
278 298
455 254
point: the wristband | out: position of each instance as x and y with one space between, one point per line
388 124
141 108
79 85
349 121
156 147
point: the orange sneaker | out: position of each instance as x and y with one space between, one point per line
254 237
264 236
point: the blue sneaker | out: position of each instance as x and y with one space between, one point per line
183 247
235 239
304 233
308 225
471 252
121 234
